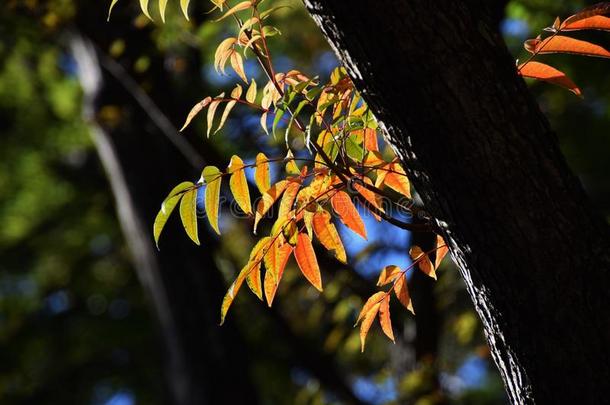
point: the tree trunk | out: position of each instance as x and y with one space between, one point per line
533 253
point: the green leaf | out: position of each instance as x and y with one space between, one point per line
188 214
279 113
213 179
167 207
353 149
184 5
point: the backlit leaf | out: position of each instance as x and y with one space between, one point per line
327 235
144 7
188 214
184 5
288 198
563 44
244 5
211 111
275 262
237 63
167 207
234 288
254 281
397 180
261 173
239 184
441 251
306 259
543 72
388 275
162 6
370 303
591 11
344 207
402 293
597 22
213 179
370 196
251 93
384 318
195 110
423 261
112 4
268 199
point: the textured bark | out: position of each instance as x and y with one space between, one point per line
534 255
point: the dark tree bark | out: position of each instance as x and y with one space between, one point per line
534 255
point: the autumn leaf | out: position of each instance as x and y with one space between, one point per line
597 22
251 93
167 207
384 318
213 179
368 315
370 140
373 299
441 251
261 173
587 12
563 44
345 209
254 281
239 184
327 235
188 214
268 199
402 293
370 196
234 288
195 110
162 7
543 72
211 112
144 7
237 63
184 5
288 198
397 180
388 275
275 262
423 261
306 259
244 5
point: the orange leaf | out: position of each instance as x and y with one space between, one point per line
306 259
591 11
384 318
345 209
423 261
563 44
397 180
597 22
254 280
234 288
441 251
268 199
541 71
328 235
373 299
370 140
289 195
275 269
239 184
370 196
368 315
402 293
388 275
261 173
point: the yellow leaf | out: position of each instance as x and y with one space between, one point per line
423 261
237 63
384 318
223 52
328 236
397 180
184 5
268 199
162 6
261 173
244 5
195 110
233 289
289 195
306 259
367 321
402 293
225 114
213 179
211 111
371 197
188 214
373 299
239 184
254 281
441 251
144 7
251 93
388 275
167 208
112 4
263 122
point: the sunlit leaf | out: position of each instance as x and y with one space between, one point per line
328 236
162 6
211 111
254 281
597 22
188 214
402 293
244 5
251 93
388 275
237 63
368 315
112 4
275 262
423 261
344 207
167 208
213 179
184 5
563 44
384 318
288 198
144 7
306 259
587 12
239 184
268 199
195 110
541 71
397 180
441 251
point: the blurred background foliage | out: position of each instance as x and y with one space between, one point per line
76 325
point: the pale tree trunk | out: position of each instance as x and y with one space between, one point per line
534 255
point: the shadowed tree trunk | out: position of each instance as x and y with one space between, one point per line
534 255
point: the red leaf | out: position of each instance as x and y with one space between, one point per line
306 259
597 22
546 73
594 10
